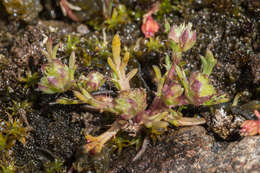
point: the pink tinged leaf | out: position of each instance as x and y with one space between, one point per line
139 116
69 12
196 86
190 42
155 8
62 73
125 116
92 85
52 80
57 63
49 46
45 89
184 37
193 37
41 87
182 101
197 100
173 35
150 27
43 68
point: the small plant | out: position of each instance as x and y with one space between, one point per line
58 76
53 167
7 167
72 43
121 143
11 131
30 80
119 16
154 44
130 105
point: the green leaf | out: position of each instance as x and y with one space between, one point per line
124 62
131 74
206 88
217 100
49 48
66 101
175 47
167 26
112 65
54 51
81 97
116 50
168 63
208 62
72 66
158 73
182 77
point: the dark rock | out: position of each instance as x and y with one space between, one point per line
192 150
243 156
255 67
187 150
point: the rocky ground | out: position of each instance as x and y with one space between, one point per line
50 137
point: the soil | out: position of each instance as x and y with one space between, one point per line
55 133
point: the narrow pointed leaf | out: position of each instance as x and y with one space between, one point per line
66 101
54 51
184 81
131 74
45 54
125 61
208 62
167 62
217 100
72 60
49 48
182 78
72 66
190 121
158 73
81 97
112 65
116 50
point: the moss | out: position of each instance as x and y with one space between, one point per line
26 10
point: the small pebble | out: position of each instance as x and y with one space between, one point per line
82 29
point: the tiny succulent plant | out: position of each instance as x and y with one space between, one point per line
130 105
58 77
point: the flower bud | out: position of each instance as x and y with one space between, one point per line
57 77
93 81
149 27
181 37
200 88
